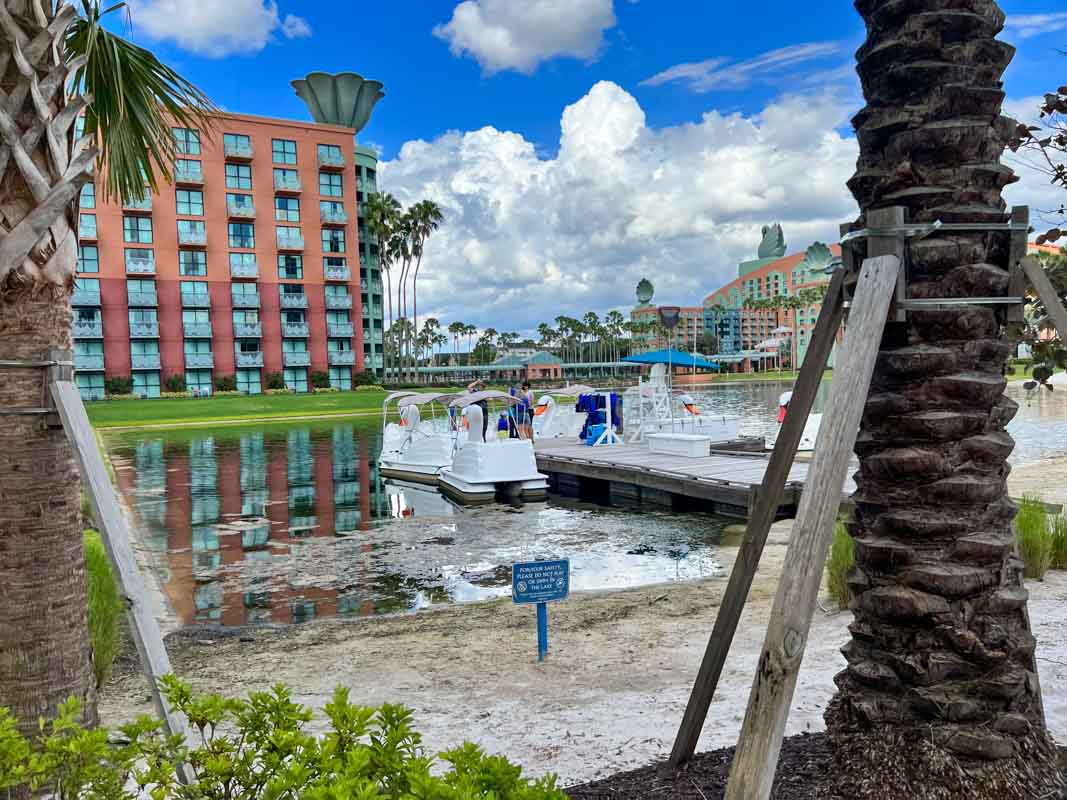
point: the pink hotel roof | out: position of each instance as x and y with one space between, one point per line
785 265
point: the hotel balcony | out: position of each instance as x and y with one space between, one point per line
196 330
338 301
144 330
342 358
185 173
196 300
295 330
193 238
144 361
85 362
241 210
246 300
83 329
287 183
373 362
334 217
331 161
84 297
249 360
244 270
294 300
373 336
240 152
296 359
339 330
136 299
337 273
293 241
143 205
247 330
199 360
140 263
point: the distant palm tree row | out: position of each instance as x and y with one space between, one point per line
402 236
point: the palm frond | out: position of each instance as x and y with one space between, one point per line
135 101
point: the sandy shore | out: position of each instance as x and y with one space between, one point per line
611 694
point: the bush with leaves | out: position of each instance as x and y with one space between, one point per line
365 378
275 380
175 383
226 383
106 607
118 386
257 748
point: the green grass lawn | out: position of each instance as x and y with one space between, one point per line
121 413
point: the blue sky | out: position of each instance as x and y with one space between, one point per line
716 90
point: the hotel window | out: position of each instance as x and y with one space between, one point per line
294 345
186 141
242 234
287 209
190 202
330 208
291 267
146 384
248 381
137 230
197 289
88 258
196 315
331 152
238 176
341 377
193 228
88 196
190 167
87 225
235 201
246 317
333 240
330 184
283 151
89 285
199 381
239 260
192 262
242 288
338 318
236 142
197 347
296 378
336 290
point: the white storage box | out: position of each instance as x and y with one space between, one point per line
686 445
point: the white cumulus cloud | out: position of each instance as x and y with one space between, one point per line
527 238
521 34
215 28
725 73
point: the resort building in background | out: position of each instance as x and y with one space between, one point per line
254 261
749 315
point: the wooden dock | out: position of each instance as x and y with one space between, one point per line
628 474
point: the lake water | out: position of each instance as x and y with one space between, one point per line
285 523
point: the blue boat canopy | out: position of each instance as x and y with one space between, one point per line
675 358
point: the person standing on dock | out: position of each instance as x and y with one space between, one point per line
478 385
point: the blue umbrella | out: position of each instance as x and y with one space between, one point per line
675 358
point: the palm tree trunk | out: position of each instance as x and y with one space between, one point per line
389 296
938 699
44 636
415 304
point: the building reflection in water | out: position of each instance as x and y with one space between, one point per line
244 528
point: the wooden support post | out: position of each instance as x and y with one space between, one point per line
756 757
762 514
113 531
1035 273
891 246
1020 215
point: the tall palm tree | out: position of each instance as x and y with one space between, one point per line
470 330
383 211
58 65
426 217
457 329
614 322
938 698
401 245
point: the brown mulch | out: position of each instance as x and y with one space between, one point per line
804 763
802 769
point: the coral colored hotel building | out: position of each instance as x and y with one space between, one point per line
250 263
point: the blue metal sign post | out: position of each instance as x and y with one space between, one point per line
541 582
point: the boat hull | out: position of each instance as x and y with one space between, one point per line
416 473
482 471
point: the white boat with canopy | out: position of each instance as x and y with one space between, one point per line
811 426
423 442
484 468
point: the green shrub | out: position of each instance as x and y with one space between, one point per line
320 379
370 387
365 378
265 752
175 384
282 390
105 607
226 383
1035 537
275 380
118 386
1058 525
842 558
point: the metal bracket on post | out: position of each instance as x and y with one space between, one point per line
61 368
1020 218
891 245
